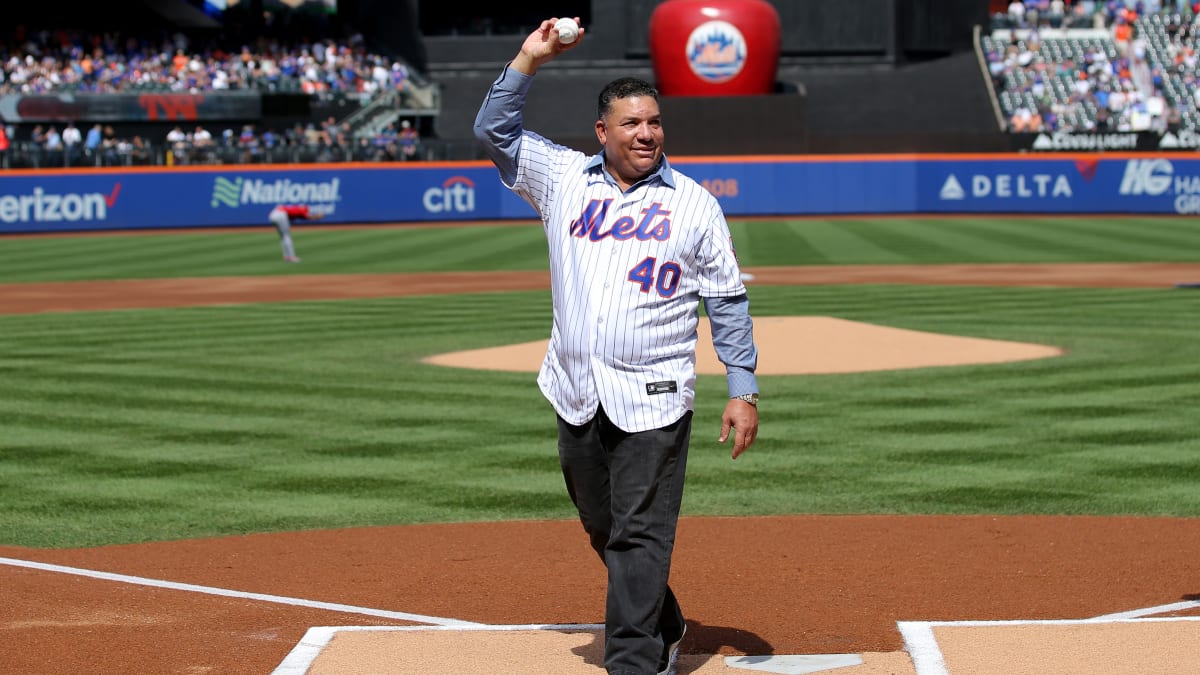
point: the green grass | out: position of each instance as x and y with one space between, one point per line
521 247
164 424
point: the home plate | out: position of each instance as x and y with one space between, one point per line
793 665
523 649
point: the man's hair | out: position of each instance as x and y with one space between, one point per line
623 87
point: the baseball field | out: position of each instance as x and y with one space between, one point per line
213 462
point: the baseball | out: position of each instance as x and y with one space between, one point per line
567 29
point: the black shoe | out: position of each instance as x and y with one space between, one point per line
673 654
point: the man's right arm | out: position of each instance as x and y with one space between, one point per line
498 125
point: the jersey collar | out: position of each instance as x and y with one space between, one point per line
664 172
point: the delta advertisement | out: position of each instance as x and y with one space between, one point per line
1134 183
1137 183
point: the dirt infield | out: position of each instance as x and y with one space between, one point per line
789 585
798 585
83 296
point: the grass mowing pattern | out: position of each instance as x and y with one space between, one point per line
522 247
148 425
1105 429
223 420
257 252
145 425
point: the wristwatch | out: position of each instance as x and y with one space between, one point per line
752 399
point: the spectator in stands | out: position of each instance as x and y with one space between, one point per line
1174 119
380 75
1077 16
250 145
1117 101
1018 122
312 135
1025 120
91 144
180 62
4 143
409 141
177 145
387 142
109 146
399 76
140 152
72 141
1122 33
1016 13
1056 13
270 142
329 127
1036 121
366 151
54 146
202 145
1035 12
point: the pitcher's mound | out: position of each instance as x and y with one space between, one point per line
789 345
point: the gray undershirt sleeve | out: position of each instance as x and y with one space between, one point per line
733 340
499 123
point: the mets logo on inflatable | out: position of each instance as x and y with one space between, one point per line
716 51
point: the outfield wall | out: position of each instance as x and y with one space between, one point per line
240 195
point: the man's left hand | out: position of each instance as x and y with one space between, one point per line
742 418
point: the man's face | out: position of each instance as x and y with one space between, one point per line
632 136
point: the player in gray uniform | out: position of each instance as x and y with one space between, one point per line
634 245
281 217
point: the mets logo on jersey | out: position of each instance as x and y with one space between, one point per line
716 51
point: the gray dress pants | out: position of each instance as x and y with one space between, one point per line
628 488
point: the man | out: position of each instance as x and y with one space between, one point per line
177 139
408 139
202 143
281 217
91 144
633 247
72 138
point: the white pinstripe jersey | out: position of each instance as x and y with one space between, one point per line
627 274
